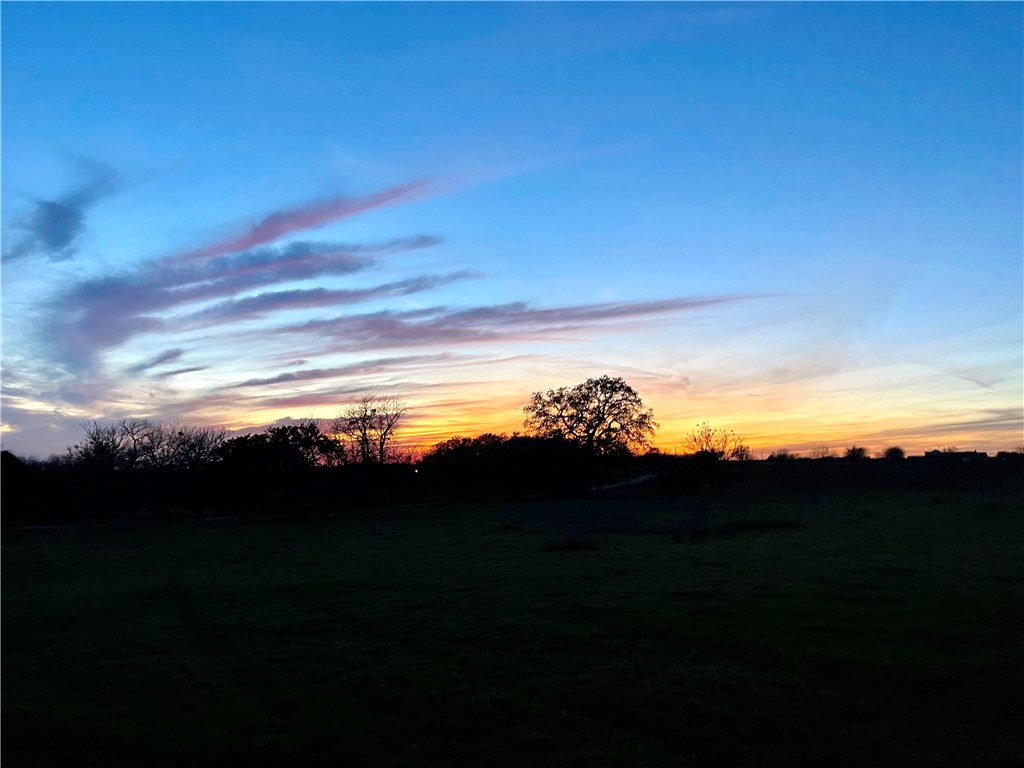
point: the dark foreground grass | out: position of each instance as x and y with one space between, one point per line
854 630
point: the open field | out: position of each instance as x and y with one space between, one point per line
857 629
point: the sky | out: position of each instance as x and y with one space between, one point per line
800 222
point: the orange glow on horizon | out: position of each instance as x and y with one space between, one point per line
427 424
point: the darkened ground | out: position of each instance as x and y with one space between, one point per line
862 627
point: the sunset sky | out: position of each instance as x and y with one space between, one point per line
801 222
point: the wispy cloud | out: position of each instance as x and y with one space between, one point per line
234 280
504 322
180 371
1003 420
316 214
311 298
207 300
168 356
52 226
363 368
102 313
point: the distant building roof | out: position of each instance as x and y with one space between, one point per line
959 455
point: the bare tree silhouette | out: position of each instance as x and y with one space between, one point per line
370 426
717 444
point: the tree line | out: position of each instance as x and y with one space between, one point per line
363 433
603 417
590 438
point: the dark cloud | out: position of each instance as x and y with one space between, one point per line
179 371
366 367
52 227
167 356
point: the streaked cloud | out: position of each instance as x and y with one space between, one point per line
356 369
311 298
181 371
217 288
504 323
168 356
251 322
98 314
310 216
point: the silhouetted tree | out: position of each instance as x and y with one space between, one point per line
142 444
285 447
603 415
189 447
244 452
105 447
717 444
370 426
856 453
304 443
141 440
497 466
894 452
452 447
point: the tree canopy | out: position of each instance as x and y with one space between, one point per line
604 415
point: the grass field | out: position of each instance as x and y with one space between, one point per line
848 630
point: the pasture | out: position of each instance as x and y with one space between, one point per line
853 629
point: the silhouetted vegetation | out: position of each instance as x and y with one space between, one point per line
584 441
138 468
495 467
821 452
603 415
369 427
142 444
716 444
299 470
708 446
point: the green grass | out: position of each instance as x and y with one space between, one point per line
837 630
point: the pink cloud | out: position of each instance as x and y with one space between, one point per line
308 216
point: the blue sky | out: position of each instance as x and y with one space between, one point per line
801 222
